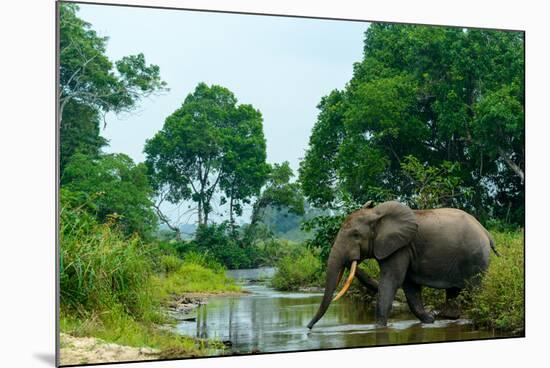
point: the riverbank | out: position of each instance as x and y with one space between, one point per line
87 350
115 289
116 337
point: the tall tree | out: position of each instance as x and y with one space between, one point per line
438 94
91 85
244 168
280 192
208 144
112 186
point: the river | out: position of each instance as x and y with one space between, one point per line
267 320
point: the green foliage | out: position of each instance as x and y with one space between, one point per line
170 263
285 224
89 77
117 327
206 145
450 98
434 186
226 246
109 288
243 164
100 268
90 85
204 260
279 193
325 228
498 302
357 290
276 249
79 133
113 188
191 277
302 268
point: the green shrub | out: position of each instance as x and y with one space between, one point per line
192 277
498 302
100 267
118 327
112 285
300 269
226 246
170 263
204 260
275 249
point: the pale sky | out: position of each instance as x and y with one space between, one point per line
282 66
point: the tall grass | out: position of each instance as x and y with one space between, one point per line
101 269
113 286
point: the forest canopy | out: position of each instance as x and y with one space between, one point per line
434 108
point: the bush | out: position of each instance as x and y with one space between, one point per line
326 228
204 260
100 268
226 246
276 249
498 302
109 288
300 269
170 263
192 277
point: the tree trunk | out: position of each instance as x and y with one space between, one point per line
200 211
231 219
515 168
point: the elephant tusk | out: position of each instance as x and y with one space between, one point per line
348 282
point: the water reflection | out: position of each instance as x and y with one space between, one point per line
271 321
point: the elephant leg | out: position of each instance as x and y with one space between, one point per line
367 281
413 293
451 309
392 274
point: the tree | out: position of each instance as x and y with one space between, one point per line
91 85
79 133
279 192
437 94
87 76
208 144
434 186
113 188
243 164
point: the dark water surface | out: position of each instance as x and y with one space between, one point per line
271 321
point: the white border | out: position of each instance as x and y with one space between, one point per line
28 180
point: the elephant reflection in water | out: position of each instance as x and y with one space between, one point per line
441 248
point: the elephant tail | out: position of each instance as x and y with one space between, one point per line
492 244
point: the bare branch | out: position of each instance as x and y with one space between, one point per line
515 168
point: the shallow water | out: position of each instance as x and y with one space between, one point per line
267 320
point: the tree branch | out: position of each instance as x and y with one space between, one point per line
515 168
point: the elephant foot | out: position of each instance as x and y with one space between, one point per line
427 318
449 312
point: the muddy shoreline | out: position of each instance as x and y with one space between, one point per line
90 350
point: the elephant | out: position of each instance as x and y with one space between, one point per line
443 248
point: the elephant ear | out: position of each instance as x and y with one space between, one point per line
395 227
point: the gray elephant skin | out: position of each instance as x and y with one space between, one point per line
443 248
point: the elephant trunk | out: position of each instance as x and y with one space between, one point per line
334 268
